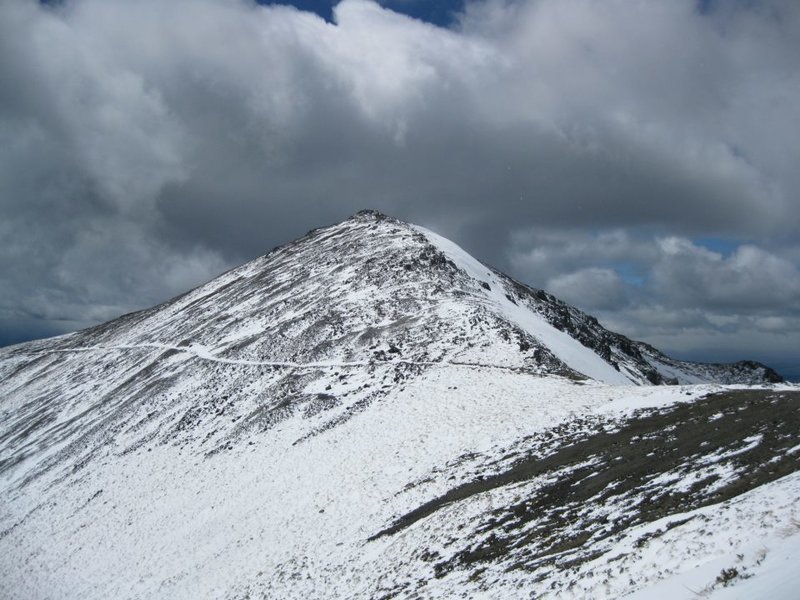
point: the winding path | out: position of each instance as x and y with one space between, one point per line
204 353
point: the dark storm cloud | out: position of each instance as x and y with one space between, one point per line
146 146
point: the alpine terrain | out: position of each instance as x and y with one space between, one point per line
371 413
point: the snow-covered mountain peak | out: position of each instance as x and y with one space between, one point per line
372 290
371 412
326 326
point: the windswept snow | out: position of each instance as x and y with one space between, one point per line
739 550
275 517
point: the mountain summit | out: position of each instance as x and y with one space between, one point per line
370 412
375 289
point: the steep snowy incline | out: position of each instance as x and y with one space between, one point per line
567 349
320 328
369 289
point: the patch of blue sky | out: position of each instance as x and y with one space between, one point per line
723 246
704 6
630 273
323 8
437 12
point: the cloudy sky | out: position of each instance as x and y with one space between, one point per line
638 158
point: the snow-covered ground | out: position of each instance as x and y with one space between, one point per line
276 517
752 552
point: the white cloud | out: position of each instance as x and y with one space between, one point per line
751 278
543 254
672 292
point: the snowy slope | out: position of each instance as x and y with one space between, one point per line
567 349
275 518
369 412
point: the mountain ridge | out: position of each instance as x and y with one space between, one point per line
306 318
614 348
